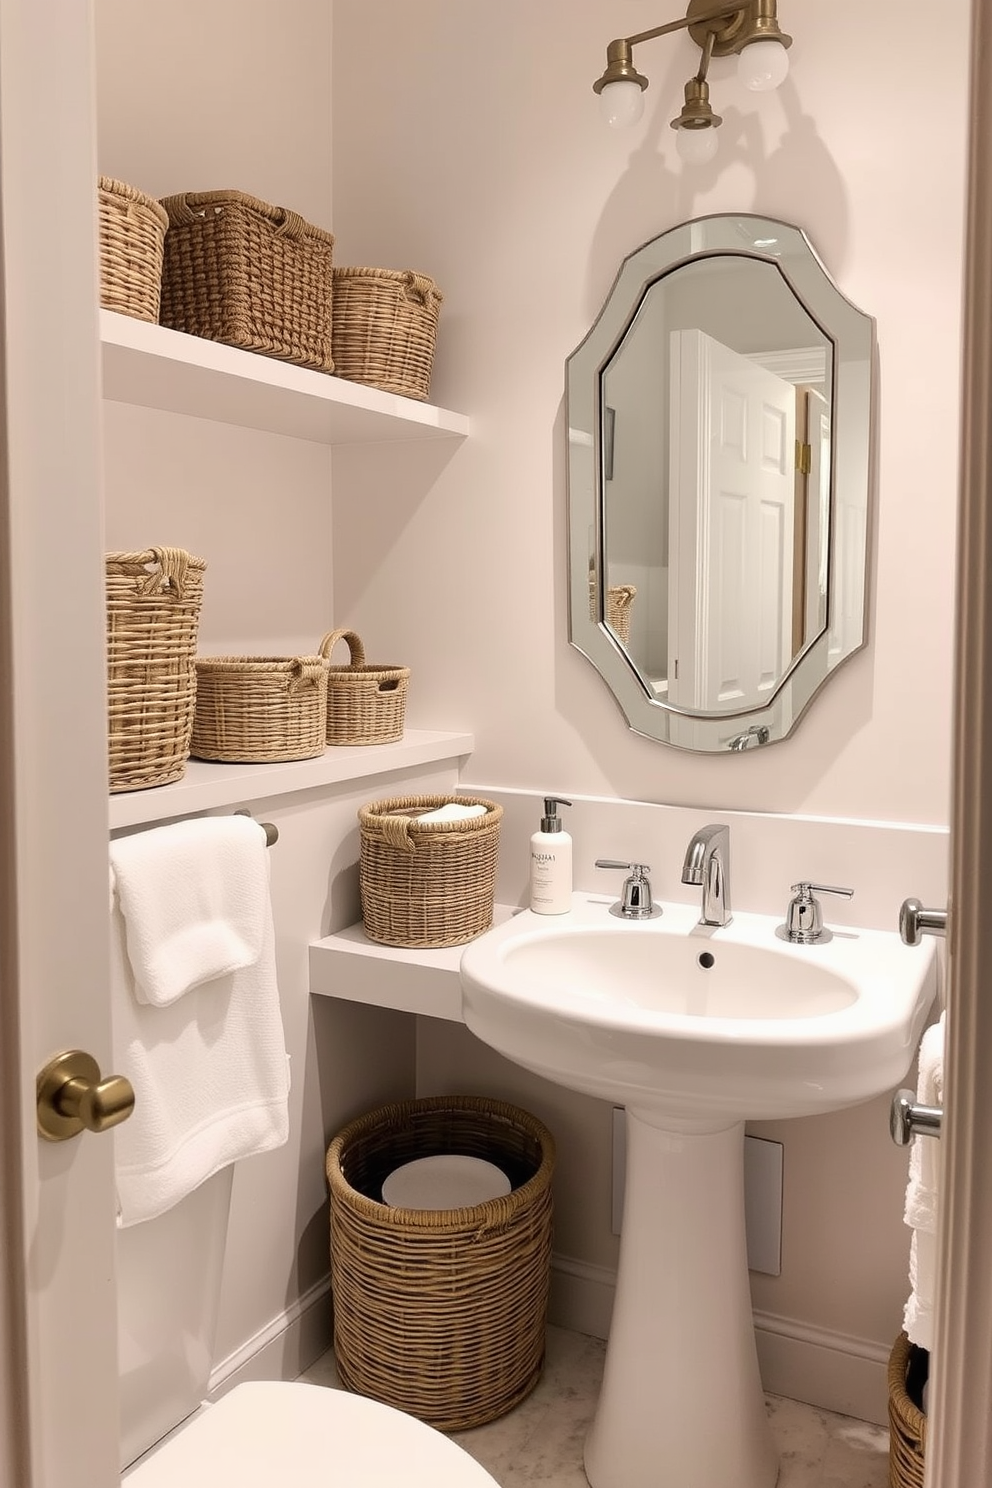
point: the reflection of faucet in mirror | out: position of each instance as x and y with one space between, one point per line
707 862
756 734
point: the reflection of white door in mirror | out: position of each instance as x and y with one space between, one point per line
732 514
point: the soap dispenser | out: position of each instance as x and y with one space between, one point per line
551 862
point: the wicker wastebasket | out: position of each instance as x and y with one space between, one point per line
441 1313
907 1375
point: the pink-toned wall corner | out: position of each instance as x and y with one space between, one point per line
471 148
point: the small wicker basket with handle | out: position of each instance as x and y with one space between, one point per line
260 708
385 328
365 704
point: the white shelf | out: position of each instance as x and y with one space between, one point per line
353 968
208 785
154 367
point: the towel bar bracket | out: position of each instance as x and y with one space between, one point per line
908 1119
269 828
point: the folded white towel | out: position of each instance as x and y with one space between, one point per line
193 898
923 1194
210 1075
453 811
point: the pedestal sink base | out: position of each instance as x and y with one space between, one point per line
682 1404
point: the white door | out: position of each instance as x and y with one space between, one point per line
732 514
58 1405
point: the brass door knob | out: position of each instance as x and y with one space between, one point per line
72 1097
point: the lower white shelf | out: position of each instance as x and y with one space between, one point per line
349 966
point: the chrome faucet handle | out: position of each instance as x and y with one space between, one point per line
915 922
635 902
804 917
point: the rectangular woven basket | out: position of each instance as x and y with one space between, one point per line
259 708
249 274
132 237
441 1313
385 329
427 884
153 615
907 1424
365 704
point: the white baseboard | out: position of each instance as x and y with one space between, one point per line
284 1348
830 1370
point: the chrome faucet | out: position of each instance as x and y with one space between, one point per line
707 862
635 902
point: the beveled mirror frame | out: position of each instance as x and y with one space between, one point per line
852 335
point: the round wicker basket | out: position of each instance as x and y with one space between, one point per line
441 1313
427 884
907 1423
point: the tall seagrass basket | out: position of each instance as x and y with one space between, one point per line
431 883
907 1424
153 615
441 1313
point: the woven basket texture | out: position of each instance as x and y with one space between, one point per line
251 275
619 598
132 237
441 1313
427 884
259 708
365 704
153 615
907 1423
385 329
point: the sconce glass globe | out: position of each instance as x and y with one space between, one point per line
621 104
763 65
696 146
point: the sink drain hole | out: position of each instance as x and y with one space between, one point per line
706 960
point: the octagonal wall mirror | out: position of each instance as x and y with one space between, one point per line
719 426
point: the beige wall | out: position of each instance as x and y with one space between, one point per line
467 144
482 161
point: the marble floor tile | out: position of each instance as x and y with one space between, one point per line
539 1444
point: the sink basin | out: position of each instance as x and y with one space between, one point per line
694 1021
694 1030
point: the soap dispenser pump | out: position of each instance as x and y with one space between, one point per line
551 862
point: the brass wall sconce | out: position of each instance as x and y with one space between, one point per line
719 30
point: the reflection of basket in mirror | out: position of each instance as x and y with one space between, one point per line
619 598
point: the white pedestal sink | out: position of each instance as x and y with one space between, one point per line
694 1030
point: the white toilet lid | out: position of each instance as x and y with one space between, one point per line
264 1434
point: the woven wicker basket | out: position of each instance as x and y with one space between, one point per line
251 275
259 708
427 884
619 598
132 234
153 614
907 1423
441 1313
365 704
385 329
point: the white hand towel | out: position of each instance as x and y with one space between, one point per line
923 1194
210 1075
193 896
453 811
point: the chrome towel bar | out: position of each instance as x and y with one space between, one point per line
908 1120
269 828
